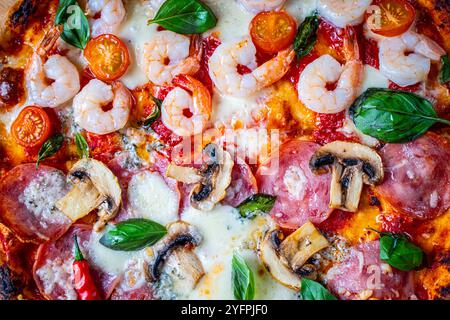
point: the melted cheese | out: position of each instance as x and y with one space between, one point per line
111 261
373 78
151 198
224 233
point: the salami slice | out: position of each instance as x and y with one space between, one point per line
243 184
301 195
417 176
53 271
27 202
362 275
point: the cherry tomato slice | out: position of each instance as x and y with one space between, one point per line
107 57
393 18
272 31
31 127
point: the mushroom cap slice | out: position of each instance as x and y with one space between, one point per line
300 245
174 254
348 153
95 186
353 165
270 255
216 179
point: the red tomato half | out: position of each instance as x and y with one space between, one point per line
393 18
272 31
31 127
107 57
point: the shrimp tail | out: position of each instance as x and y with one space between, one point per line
48 42
351 46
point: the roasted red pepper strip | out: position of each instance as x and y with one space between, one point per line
83 282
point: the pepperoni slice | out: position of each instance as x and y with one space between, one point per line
27 198
362 275
53 267
301 195
243 184
417 176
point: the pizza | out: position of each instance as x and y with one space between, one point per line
218 149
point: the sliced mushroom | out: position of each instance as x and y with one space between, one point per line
285 258
269 253
95 187
211 180
174 254
300 245
353 165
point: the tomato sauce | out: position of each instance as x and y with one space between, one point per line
209 44
336 221
412 88
327 128
103 147
370 52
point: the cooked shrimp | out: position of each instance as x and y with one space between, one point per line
262 5
184 114
169 54
401 66
315 80
63 85
112 13
228 56
342 13
89 103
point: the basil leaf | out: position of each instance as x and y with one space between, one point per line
397 251
312 290
256 203
306 36
393 116
133 234
155 115
242 279
62 12
75 24
185 16
50 147
444 74
82 146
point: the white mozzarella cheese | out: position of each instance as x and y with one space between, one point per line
151 198
224 233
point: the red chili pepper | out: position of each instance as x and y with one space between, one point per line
83 283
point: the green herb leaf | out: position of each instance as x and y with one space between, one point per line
399 252
312 290
185 16
62 12
82 146
133 234
242 279
306 36
75 24
393 116
256 203
50 147
444 74
155 115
